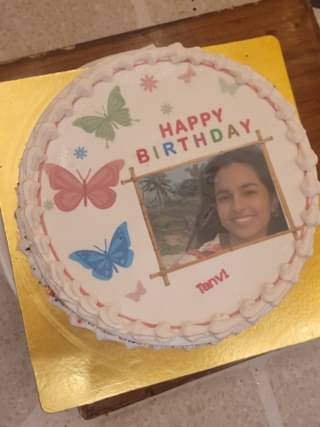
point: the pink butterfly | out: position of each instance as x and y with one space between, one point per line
71 190
137 294
187 76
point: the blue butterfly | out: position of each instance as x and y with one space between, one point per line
103 262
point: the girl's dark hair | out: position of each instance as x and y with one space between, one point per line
207 225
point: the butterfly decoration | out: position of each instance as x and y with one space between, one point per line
188 75
103 262
228 87
72 190
104 125
137 294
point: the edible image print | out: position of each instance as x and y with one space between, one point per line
149 83
103 262
72 190
105 124
205 208
138 293
80 153
226 87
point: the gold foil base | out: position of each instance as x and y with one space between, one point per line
71 367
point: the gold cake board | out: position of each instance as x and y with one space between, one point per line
71 367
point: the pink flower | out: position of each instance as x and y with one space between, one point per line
148 83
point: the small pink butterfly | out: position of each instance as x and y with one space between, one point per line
187 76
137 294
71 190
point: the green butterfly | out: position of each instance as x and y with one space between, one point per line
104 125
228 87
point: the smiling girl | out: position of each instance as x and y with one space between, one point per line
239 203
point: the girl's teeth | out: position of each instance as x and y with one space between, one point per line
244 219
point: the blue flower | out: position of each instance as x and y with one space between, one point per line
80 153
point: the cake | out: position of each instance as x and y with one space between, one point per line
168 197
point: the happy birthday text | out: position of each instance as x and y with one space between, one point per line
193 131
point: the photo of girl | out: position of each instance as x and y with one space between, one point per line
200 209
239 204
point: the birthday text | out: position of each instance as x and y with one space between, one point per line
194 131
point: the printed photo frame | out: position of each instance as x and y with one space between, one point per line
173 206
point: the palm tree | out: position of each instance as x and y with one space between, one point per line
190 186
196 170
160 185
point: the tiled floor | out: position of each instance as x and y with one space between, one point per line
46 26
276 390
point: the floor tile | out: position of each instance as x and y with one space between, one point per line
17 391
225 399
295 379
162 11
47 25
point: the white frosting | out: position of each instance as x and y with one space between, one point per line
41 242
89 304
34 156
290 271
29 190
304 247
109 315
83 89
310 185
191 331
264 89
71 288
189 316
295 132
250 309
306 158
273 293
222 325
31 214
139 331
285 111
310 216
57 271
243 75
45 132
164 332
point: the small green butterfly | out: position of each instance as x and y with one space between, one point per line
104 125
228 87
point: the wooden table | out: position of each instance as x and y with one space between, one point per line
291 21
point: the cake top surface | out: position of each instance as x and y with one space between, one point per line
169 195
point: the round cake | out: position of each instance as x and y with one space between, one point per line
168 197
